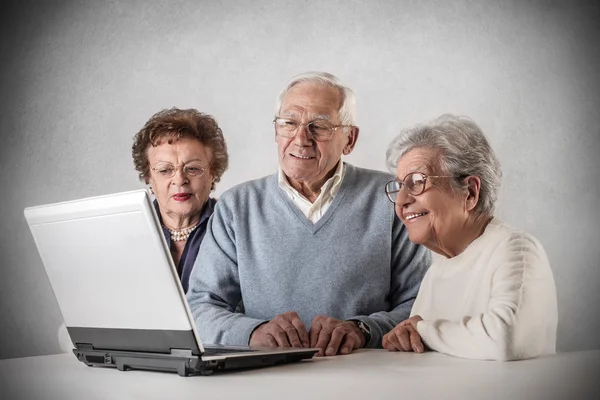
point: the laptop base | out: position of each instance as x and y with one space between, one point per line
181 361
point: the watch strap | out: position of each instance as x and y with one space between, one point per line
364 328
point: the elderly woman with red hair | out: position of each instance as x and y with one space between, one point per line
181 154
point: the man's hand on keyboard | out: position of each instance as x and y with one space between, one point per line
285 330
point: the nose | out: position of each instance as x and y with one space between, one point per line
303 136
403 199
179 178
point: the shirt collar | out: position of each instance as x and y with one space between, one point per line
332 185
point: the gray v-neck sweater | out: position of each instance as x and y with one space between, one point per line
356 262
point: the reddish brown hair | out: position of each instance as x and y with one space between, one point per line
174 124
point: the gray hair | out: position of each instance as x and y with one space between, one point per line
348 100
463 149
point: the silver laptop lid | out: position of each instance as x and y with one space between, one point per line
106 260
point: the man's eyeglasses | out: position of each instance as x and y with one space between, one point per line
413 182
167 170
320 130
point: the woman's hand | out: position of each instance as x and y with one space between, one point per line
404 337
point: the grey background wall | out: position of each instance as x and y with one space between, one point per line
79 78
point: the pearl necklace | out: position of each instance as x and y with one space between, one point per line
181 235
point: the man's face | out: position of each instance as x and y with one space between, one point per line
305 161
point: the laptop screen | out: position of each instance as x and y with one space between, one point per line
112 274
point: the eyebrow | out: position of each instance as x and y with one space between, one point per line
424 169
187 162
290 114
421 169
313 116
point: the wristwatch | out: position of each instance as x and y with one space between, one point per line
364 328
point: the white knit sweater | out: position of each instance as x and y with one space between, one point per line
494 301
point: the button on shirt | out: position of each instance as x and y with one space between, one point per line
314 211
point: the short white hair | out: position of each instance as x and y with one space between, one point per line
347 109
463 151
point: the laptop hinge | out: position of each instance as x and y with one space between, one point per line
181 352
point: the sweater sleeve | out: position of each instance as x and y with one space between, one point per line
214 287
409 263
521 316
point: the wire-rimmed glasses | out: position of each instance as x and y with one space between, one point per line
414 183
321 130
167 170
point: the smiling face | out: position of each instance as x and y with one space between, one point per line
436 217
304 161
180 197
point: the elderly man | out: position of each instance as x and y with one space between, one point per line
313 252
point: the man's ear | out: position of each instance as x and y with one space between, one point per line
352 138
473 189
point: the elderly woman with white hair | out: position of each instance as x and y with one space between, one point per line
489 293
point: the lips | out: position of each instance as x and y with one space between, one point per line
301 157
412 216
181 196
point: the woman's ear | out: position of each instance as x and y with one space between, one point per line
149 183
473 188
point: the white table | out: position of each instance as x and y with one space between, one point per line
365 374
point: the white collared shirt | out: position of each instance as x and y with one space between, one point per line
314 211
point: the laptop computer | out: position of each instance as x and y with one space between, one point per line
119 292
